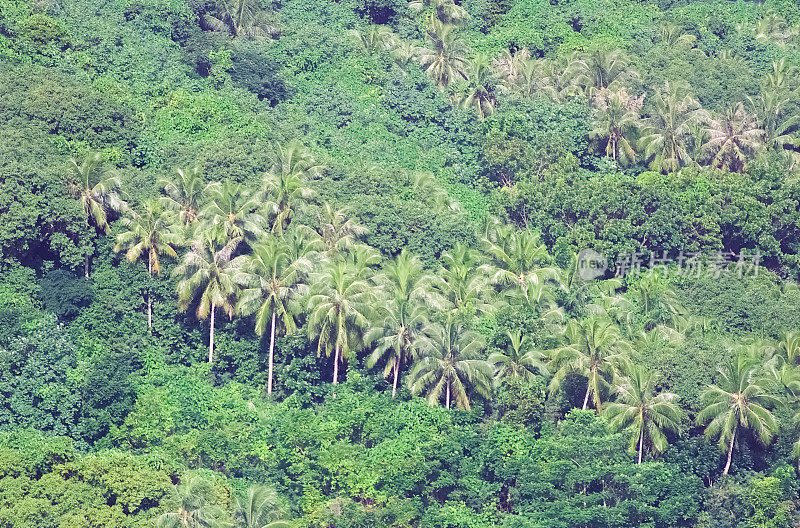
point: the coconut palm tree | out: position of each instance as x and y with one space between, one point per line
231 213
339 312
733 137
616 119
450 365
461 283
241 18
337 232
737 403
183 194
641 412
781 127
148 233
273 284
207 279
195 506
260 507
789 346
594 348
478 92
374 38
444 60
518 263
447 11
599 71
669 127
286 182
97 188
508 65
519 361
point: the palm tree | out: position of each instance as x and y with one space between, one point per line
479 89
183 194
518 258
599 71
644 414
195 507
338 232
461 282
207 278
732 138
402 319
447 11
739 402
669 127
286 182
616 118
444 60
450 365
509 65
673 36
519 359
781 128
594 347
375 38
339 310
231 213
260 507
242 18
789 346
97 188
273 284
148 233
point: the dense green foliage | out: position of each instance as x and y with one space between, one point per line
315 263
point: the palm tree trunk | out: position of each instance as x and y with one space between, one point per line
396 375
271 351
448 395
336 366
641 442
586 398
730 453
149 294
86 266
211 336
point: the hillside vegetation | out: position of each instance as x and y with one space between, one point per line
328 264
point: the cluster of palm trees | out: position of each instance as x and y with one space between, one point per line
674 130
245 256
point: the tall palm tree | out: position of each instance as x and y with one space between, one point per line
207 278
600 70
444 60
338 312
518 262
242 18
616 119
260 507
447 11
195 506
669 128
479 90
461 282
338 232
374 38
273 284
402 319
733 138
519 359
97 188
183 194
737 403
642 412
148 233
594 348
450 365
781 127
286 182
231 213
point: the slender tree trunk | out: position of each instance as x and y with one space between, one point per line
149 294
271 352
396 375
86 266
641 441
730 453
448 395
336 366
211 336
586 398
